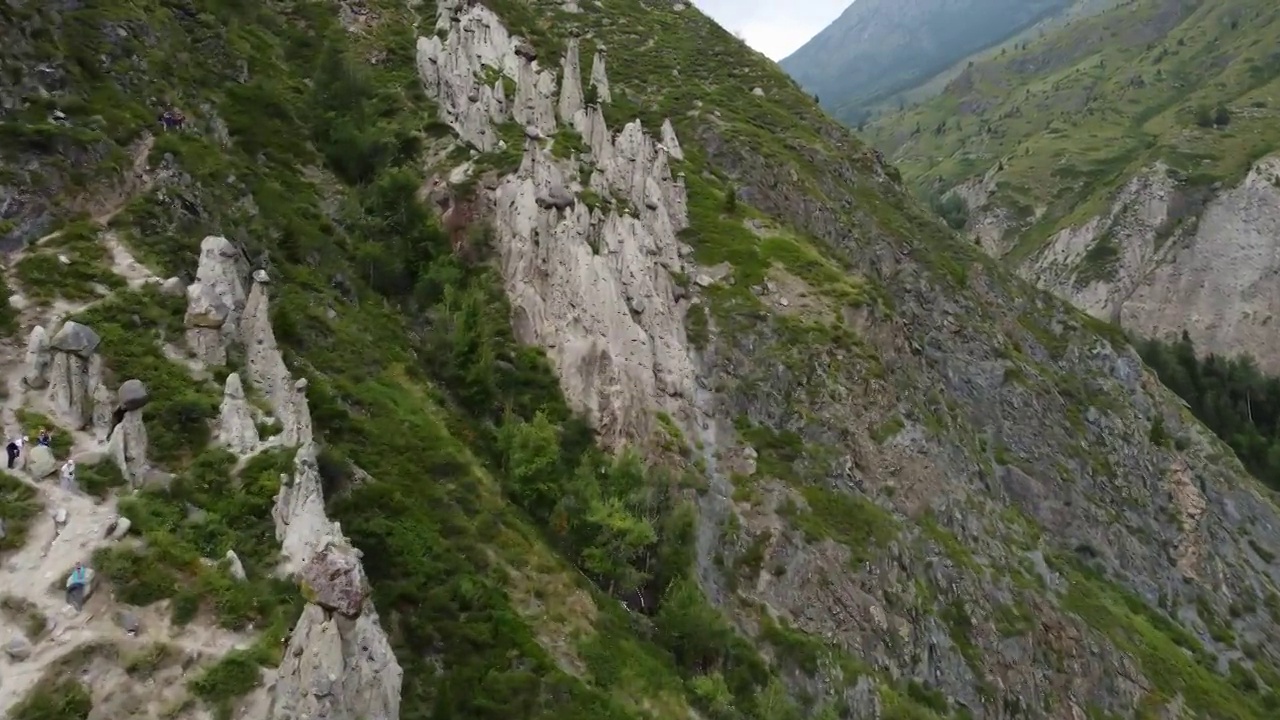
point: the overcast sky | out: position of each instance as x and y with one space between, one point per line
774 27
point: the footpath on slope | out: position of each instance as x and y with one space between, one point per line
73 524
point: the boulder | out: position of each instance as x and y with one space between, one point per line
133 395
128 622
333 579
206 308
40 461
234 566
76 339
173 287
119 528
18 648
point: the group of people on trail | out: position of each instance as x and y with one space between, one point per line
14 448
172 120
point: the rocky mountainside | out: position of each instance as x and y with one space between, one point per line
642 388
878 50
1123 162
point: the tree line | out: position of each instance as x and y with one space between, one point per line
1231 396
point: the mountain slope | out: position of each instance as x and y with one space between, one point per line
1122 161
881 477
878 48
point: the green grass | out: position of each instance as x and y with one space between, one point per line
54 700
19 505
234 675
851 520
42 275
1170 656
100 478
33 422
26 615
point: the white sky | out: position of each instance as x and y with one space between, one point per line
776 28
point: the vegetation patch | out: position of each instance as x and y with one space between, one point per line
134 325
851 520
1231 396
19 505
24 614
235 675
54 700
86 273
188 527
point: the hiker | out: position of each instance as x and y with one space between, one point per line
14 449
172 120
45 438
76 587
68 476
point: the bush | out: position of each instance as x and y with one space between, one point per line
19 504
232 677
61 700
233 513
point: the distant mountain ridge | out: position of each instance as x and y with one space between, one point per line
878 48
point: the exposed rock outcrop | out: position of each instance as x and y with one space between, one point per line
600 77
453 69
74 373
236 427
1162 260
40 462
339 663
570 84
266 369
215 300
592 286
127 444
38 359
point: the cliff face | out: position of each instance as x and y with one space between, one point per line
878 475
1166 259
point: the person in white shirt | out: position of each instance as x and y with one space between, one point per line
68 475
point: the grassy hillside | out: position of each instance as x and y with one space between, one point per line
1064 121
944 457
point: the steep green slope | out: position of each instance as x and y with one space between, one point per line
931 491
1053 130
876 49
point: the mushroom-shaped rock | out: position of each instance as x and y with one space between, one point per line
133 395
335 580
76 339
555 197
526 51
261 276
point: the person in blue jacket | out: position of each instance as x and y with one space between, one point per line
76 587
